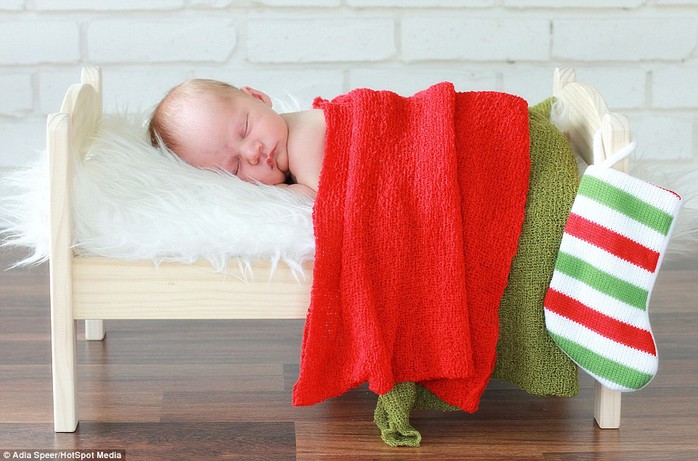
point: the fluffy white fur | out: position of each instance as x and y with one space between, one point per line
26 211
133 201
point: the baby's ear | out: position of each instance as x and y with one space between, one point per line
257 94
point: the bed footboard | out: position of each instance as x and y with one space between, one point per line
586 119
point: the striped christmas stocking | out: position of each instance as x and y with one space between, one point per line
611 250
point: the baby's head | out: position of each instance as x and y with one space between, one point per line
165 122
211 124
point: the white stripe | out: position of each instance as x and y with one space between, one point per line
647 192
617 222
600 302
607 262
620 353
610 384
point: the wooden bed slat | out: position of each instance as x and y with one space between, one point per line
107 288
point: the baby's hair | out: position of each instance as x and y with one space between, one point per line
165 119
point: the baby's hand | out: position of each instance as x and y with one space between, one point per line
302 188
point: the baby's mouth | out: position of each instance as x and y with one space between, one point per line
271 162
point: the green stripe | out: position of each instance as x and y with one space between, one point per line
601 281
625 203
603 366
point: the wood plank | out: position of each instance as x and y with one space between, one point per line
60 144
114 289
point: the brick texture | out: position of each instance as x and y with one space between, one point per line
465 38
625 39
320 39
208 39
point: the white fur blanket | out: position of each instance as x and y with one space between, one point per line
132 201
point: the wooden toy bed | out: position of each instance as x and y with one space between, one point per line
96 288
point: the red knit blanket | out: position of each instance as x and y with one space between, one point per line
417 218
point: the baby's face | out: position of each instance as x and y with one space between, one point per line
241 135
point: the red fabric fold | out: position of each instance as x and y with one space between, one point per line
417 219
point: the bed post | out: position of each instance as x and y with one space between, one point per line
606 406
615 135
63 333
588 114
94 329
68 135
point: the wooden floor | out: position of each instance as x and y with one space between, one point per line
221 390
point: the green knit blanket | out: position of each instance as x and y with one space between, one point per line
526 356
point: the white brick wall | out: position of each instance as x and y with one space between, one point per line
642 54
464 37
611 38
38 41
320 39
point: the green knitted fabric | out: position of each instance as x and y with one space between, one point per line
392 415
526 356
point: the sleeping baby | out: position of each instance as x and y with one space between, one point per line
210 124
409 185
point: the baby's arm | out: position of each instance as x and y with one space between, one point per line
302 188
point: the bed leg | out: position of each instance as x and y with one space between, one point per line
64 365
606 407
94 330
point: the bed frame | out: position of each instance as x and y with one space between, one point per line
97 288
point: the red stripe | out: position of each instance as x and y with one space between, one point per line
609 327
613 242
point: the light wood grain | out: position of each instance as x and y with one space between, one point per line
68 134
114 289
607 407
94 329
63 339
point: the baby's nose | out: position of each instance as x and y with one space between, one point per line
254 151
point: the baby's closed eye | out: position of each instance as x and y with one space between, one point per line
236 166
246 126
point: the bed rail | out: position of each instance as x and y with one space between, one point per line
106 288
